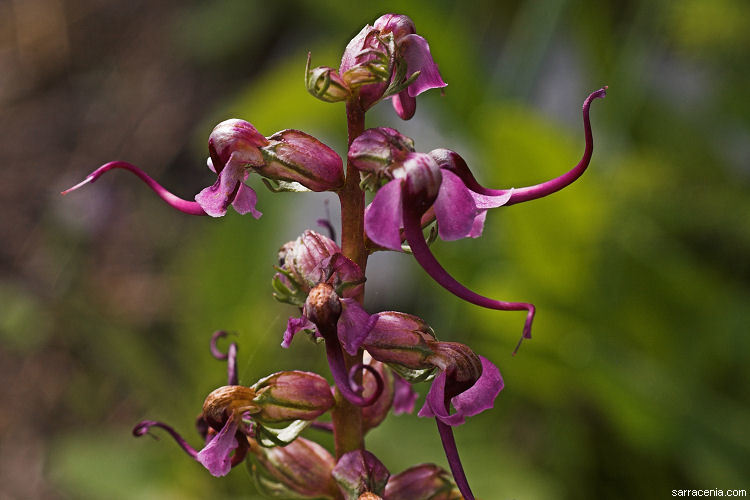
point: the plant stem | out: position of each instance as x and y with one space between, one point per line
346 417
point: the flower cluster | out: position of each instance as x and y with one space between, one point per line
374 356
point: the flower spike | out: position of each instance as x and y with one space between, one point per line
230 356
184 206
429 263
452 161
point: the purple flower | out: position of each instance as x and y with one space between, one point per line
289 160
314 274
389 59
415 52
233 413
466 382
384 155
290 156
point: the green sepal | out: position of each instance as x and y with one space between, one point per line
413 376
276 186
270 437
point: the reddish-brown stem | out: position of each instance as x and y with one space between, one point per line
346 417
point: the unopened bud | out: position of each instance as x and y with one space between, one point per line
401 339
325 83
301 469
378 151
422 482
359 472
291 395
295 156
398 24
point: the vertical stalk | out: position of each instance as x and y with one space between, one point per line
347 418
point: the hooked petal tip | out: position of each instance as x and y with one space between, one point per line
89 179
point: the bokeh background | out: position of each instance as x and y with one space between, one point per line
636 381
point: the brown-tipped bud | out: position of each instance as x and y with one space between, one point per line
301 469
401 339
291 395
459 360
225 401
322 306
422 482
295 156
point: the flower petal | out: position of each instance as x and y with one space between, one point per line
404 396
404 104
245 200
383 217
455 208
481 396
293 327
416 52
216 198
216 455
354 325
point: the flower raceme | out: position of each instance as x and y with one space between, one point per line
387 59
289 160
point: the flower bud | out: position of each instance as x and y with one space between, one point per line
295 156
291 395
367 65
401 339
359 472
422 482
423 178
398 24
227 400
311 259
301 469
236 138
377 151
325 83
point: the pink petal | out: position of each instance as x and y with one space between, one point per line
354 325
416 52
455 209
293 327
383 217
245 200
479 397
216 456
404 104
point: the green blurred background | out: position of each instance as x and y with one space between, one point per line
636 381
